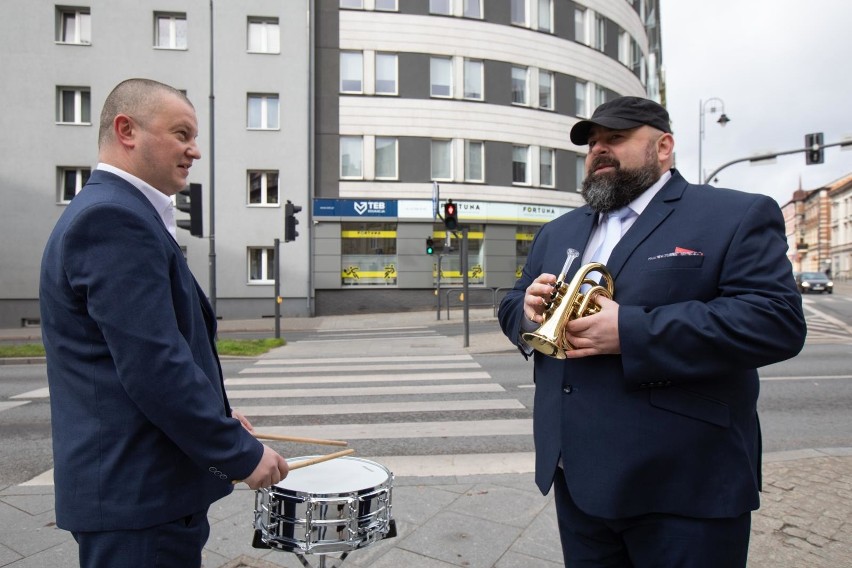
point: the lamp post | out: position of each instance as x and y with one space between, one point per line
723 120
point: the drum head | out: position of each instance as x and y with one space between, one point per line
340 475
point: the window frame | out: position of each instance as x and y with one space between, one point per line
395 161
82 26
443 60
265 99
446 143
513 5
81 176
360 141
264 176
437 11
174 18
265 24
467 62
395 4
526 89
344 77
466 4
395 90
263 264
82 105
552 166
467 161
527 177
548 28
551 94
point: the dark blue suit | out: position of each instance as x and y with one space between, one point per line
142 433
669 426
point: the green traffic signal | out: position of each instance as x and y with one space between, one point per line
430 246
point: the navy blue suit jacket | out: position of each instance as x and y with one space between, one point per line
670 425
142 432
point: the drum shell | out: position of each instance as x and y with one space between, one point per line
313 523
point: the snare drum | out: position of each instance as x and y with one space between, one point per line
334 506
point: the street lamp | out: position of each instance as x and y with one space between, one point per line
723 120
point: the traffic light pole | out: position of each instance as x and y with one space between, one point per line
277 277
770 157
466 303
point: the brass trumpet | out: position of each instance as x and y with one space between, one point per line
567 302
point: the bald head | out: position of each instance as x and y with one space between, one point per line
138 98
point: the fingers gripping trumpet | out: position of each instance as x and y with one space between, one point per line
567 302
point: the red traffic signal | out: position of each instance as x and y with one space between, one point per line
451 215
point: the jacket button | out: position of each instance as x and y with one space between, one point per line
567 389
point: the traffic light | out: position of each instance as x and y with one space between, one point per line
451 215
188 200
290 221
814 153
430 246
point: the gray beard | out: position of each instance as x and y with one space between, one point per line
614 190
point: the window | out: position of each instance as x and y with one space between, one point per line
261 265
351 72
263 187
368 254
581 99
473 79
74 25
441 74
581 171
520 163
545 15
600 96
600 33
170 31
351 157
441 7
74 105
580 26
386 6
356 4
263 35
71 181
472 9
547 158
386 158
386 73
520 79
474 153
263 112
545 89
519 12
442 159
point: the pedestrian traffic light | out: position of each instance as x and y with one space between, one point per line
430 246
290 221
188 200
814 153
451 215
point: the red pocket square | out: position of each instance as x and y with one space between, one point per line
681 250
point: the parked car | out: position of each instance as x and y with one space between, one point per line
814 282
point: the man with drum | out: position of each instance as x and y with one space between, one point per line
144 439
647 428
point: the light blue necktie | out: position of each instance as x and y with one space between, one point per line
612 234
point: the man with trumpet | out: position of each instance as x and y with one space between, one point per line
645 411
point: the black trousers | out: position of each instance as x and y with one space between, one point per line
177 544
648 541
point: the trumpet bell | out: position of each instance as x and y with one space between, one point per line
571 301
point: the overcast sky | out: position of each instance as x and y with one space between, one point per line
783 69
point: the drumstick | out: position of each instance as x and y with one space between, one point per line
261 436
312 461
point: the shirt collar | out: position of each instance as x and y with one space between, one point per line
159 200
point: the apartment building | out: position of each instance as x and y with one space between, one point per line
369 114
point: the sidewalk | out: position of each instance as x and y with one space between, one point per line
483 520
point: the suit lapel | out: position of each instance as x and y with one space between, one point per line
660 207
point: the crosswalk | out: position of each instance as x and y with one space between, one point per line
824 328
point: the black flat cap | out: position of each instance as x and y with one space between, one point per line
620 114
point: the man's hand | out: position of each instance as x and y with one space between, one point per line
243 420
596 334
271 469
537 297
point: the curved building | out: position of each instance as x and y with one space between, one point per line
423 101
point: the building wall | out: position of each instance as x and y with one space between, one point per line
305 148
